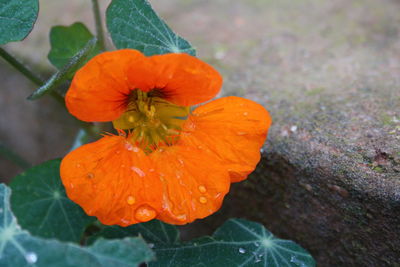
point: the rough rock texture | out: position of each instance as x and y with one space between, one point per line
329 73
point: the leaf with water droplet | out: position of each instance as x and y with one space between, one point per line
134 24
236 243
42 207
19 248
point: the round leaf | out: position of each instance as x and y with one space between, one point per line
42 207
134 24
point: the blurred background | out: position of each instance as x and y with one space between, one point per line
328 72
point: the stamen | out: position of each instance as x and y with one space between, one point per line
151 121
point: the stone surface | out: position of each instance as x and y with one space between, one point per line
329 73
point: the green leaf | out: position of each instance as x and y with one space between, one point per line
67 41
134 24
42 207
154 232
236 243
16 19
69 69
19 248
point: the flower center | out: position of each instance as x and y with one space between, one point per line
151 120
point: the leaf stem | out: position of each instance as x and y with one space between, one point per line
28 73
99 25
19 66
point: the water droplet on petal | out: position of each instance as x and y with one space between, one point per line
128 146
202 200
182 217
138 171
202 189
31 257
131 200
124 221
90 175
242 250
145 213
78 165
117 152
245 113
241 133
181 161
71 185
151 170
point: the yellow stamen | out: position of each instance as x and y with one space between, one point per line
151 120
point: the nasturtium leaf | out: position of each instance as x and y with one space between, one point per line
134 24
65 72
41 206
154 232
16 19
236 243
19 248
67 41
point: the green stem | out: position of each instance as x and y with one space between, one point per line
99 25
28 73
39 82
19 66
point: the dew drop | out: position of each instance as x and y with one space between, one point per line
71 185
131 200
242 250
241 133
128 146
202 189
202 200
90 175
151 245
296 261
118 152
145 213
138 171
31 257
124 221
245 113
151 170
182 217
135 149
181 161
293 128
131 119
78 165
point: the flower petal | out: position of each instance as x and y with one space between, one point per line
112 180
185 80
100 89
232 128
194 183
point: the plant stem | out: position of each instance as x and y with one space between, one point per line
99 25
19 66
28 73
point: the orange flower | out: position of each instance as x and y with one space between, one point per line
167 163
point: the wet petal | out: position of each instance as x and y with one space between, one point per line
112 180
194 183
233 129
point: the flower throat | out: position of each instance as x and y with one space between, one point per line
150 120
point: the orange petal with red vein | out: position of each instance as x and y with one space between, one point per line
99 90
194 183
112 180
233 129
183 79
